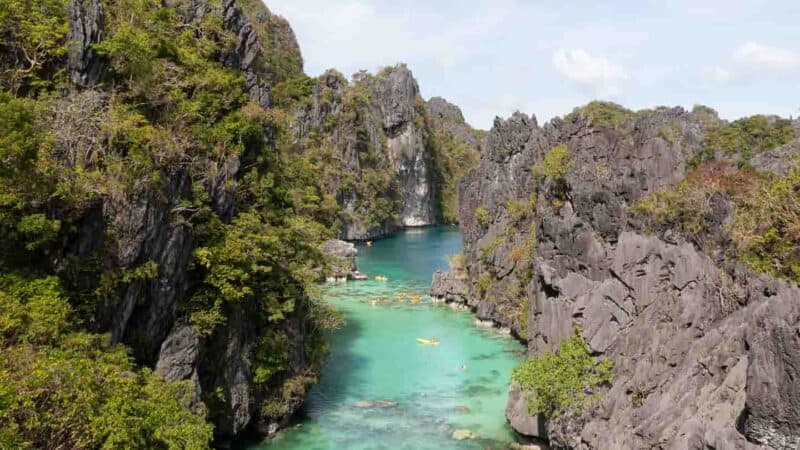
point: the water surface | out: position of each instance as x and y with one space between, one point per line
380 388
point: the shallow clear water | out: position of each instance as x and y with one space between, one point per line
376 357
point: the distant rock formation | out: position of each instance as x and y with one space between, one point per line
387 165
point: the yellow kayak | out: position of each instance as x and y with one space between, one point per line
431 341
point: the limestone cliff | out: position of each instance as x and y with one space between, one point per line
147 226
700 344
379 152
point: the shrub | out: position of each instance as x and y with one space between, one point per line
766 227
484 283
555 163
686 206
482 216
457 262
748 136
519 209
603 114
556 383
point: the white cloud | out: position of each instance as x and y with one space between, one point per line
719 74
601 76
764 57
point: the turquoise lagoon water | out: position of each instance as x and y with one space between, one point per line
461 383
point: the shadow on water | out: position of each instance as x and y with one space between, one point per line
338 382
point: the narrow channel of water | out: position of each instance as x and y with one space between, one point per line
381 389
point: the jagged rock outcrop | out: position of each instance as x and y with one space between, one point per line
449 118
702 349
378 130
450 287
85 30
779 160
343 261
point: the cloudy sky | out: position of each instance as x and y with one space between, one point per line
492 57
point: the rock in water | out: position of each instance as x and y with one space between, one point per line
464 434
343 257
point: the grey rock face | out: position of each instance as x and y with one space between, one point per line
519 418
385 136
450 288
178 357
780 160
85 29
704 357
772 409
245 52
343 257
143 232
395 93
448 116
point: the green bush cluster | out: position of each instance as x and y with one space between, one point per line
766 214
562 382
482 216
165 106
62 386
453 159
555 163
603 114
748 136
766 227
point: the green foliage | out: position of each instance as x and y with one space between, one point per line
453 159
32 38
38 230
87 394
166 107
521 209
32 311
457 262
482 216
484 283
685 207
61 386
291 91
279 57
766 227
603 114
556 384
766 213
748 136
555 163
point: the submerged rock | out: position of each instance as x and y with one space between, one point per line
462 434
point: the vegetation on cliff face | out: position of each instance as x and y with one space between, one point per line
165 108
562 382
766 212
745 137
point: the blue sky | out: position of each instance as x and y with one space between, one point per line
546 57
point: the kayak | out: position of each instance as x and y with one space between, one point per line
432 341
